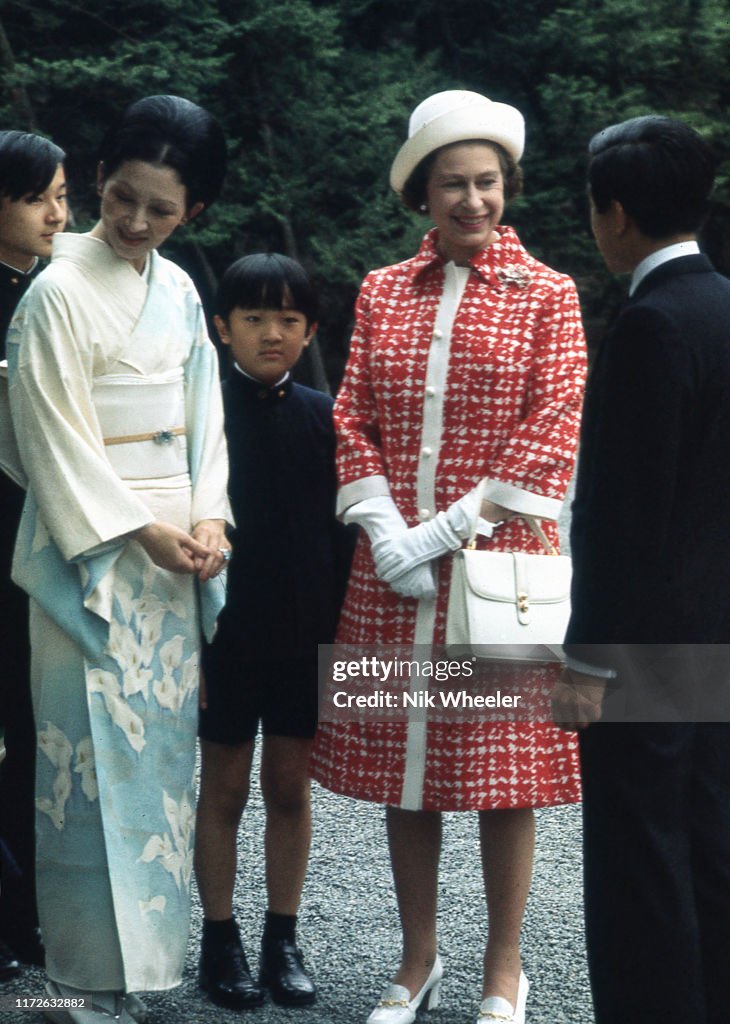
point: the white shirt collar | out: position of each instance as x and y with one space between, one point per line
24 273
655 259
237 367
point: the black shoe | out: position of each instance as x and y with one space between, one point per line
9 966
282 973
225 976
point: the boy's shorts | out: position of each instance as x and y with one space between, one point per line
281 695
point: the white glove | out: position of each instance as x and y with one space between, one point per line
380 519
399 553
417 582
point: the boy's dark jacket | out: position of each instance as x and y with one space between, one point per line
291 558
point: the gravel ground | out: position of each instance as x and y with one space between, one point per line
349 925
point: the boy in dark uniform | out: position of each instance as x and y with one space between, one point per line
32 211
285 585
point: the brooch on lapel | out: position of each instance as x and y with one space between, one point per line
514 274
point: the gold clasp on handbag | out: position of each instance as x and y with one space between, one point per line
523 602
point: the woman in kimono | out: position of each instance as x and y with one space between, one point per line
116 404
467 362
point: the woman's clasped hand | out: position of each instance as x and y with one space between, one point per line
202 552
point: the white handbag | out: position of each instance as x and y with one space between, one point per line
509 606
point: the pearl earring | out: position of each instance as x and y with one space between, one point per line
423 208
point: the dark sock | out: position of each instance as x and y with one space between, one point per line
278 927
218 933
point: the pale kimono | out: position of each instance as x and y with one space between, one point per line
101 359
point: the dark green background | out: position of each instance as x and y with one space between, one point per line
315 95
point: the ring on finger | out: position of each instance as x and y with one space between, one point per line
226 552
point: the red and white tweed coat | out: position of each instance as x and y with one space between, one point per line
434 398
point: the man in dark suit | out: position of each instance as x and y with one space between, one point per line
647 644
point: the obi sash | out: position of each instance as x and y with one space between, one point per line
142 422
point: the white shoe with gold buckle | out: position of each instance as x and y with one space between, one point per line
495 1010
396 1005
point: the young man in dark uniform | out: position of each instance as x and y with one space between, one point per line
648 668
32 211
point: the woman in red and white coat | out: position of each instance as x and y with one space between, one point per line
467 362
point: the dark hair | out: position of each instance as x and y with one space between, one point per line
170 132
27 164
267 280
415 189
659 169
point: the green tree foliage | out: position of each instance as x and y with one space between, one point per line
601 63
315 95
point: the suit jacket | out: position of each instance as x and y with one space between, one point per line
651 520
